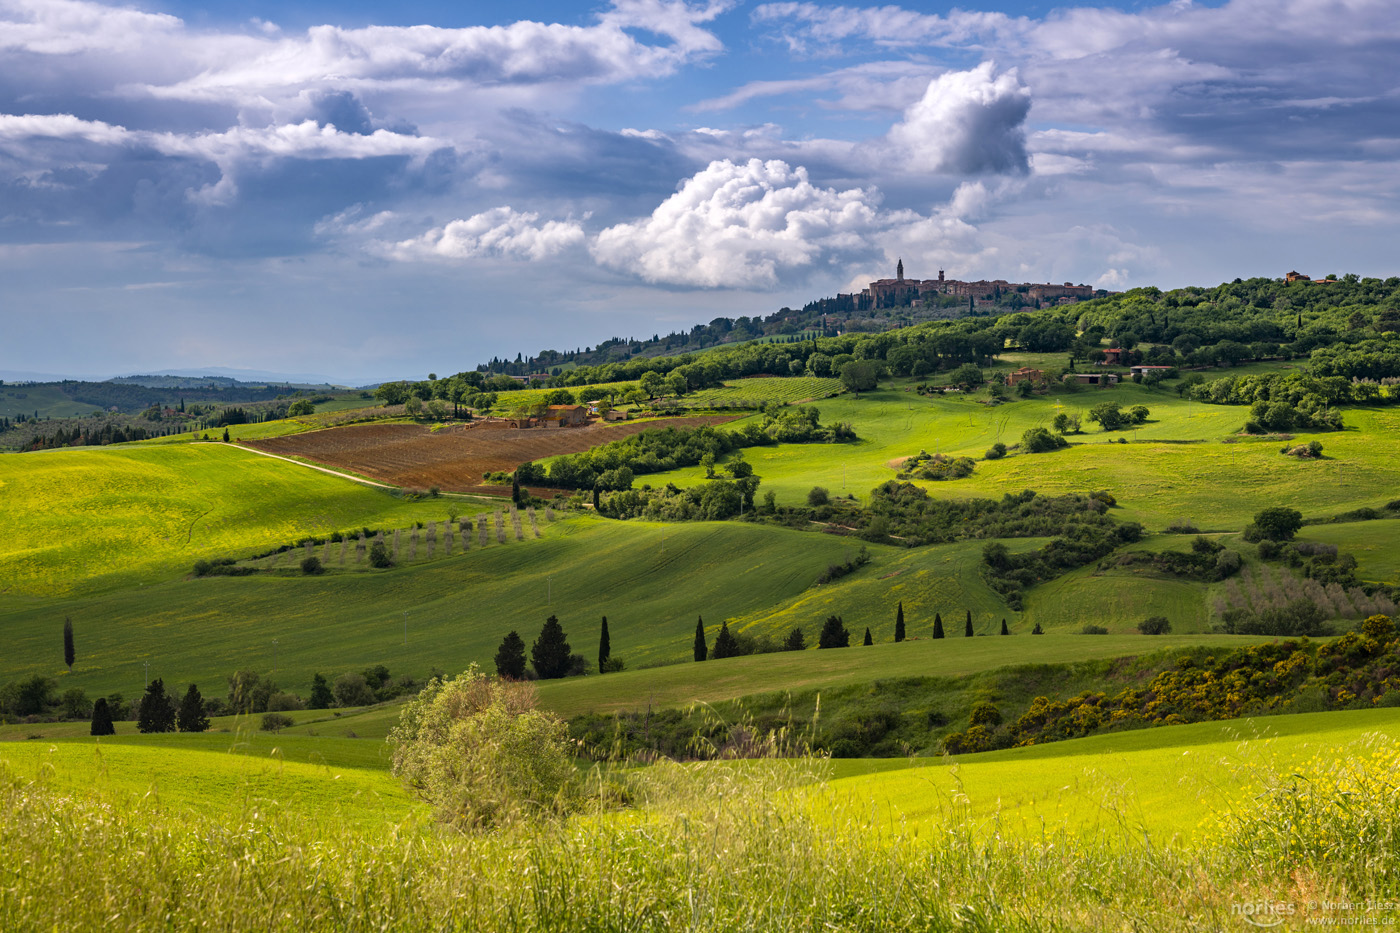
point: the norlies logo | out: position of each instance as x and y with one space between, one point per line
1264 913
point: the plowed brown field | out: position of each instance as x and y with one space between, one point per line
454 457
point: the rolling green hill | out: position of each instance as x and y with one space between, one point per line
1375 545
89 518
1161 783
40 401
1157 477
650 580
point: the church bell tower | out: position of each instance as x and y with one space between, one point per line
899 271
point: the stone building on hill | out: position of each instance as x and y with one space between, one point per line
899 291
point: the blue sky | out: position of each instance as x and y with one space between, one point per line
370 191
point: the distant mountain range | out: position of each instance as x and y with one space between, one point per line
220 374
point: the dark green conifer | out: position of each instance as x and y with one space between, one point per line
726 645
968 629
604 647
510 657
937 625
868 640
102 718
834 634
321 696
1004 629
899 623
550 652
69 656
702 651
191 717
157 712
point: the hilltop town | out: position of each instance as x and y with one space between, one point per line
899 291
884 304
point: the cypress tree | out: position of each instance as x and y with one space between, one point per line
702 651
868 640
1004 629
157 713
550 652
834 634
510 657
937 625
68 654
796 641
321 696
899 623
515 487
102 718
968 629
604 647
191 716
726 645
595 508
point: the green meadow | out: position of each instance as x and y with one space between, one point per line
1162 784
652 581
83 519
1176 466
1375 545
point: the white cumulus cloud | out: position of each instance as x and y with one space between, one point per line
498 233
742 225
967 123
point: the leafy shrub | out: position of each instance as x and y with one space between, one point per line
312 565
985 714
1094 630
480 753
997 450
1278 523
352 690
1155 625
818 495
1039 440
282 701
379 555
276 722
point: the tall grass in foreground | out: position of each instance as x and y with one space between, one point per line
719 846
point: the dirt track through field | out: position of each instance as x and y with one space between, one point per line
455 457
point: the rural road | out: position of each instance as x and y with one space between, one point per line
312 466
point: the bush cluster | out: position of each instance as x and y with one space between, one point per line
1356 670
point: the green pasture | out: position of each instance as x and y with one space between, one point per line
1118 600
943 578
507 402
83 518
1157 477
1375 545
761 390
817 669
1152 784
650 580
214 774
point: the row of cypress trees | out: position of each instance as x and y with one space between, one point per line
157 713
833 635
